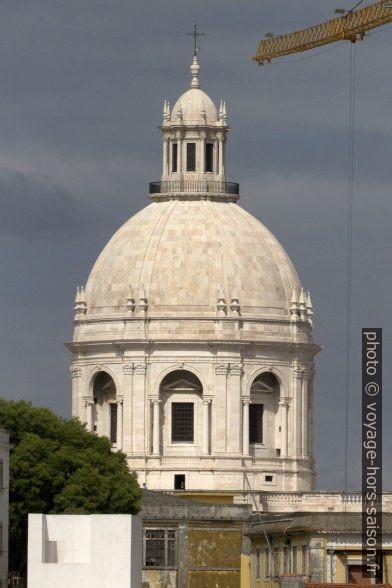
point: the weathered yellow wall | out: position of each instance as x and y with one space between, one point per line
245 571
340 569
214 579
208 498
214 548
259 542
388 568
159 579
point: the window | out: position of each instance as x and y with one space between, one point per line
267 562
304 560
159 548
179 481
182 422
209 160
174 157
258 574
276 563
295 557
191 157
286 560
268 478
255 423
113 422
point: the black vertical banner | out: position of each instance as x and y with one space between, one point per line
372 564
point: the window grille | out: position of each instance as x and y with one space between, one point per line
182 422
160 548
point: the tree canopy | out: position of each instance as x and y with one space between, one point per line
57 466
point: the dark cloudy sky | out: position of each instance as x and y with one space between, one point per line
82 84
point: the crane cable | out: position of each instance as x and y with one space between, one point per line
350 199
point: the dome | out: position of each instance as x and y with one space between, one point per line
184 255
191 105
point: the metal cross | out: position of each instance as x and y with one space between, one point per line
195 34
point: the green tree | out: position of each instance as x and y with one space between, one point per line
57 466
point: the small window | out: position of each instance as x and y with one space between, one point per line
304 560
191 157
286 560
255 423
258 570
267 562
268 478
113 422
209 159
179 482
276 563
182 422
174 157
159 549
295 558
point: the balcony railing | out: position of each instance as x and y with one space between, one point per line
192 186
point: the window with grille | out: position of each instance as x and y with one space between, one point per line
209 160
286 560
174 157
295 558
191 157
182 422
258 570
159 548
304 570
276 562
267 562
255 423
113 422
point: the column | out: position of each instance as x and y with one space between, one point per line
140 431
220 408
283 426
89 414
202 144
234 408
245 426
220 170
304 415
164 160
128 407
119 423
156 427
179 155
297 410
206 426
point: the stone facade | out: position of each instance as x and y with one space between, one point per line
193 347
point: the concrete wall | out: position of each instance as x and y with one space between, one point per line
84 551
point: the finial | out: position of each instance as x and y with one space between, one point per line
195 69
294 306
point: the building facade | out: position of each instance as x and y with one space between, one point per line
192 346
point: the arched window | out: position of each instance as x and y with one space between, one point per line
105 413
263 397
179 390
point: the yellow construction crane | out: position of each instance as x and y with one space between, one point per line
351 27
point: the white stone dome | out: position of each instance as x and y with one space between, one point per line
185 254
191 105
